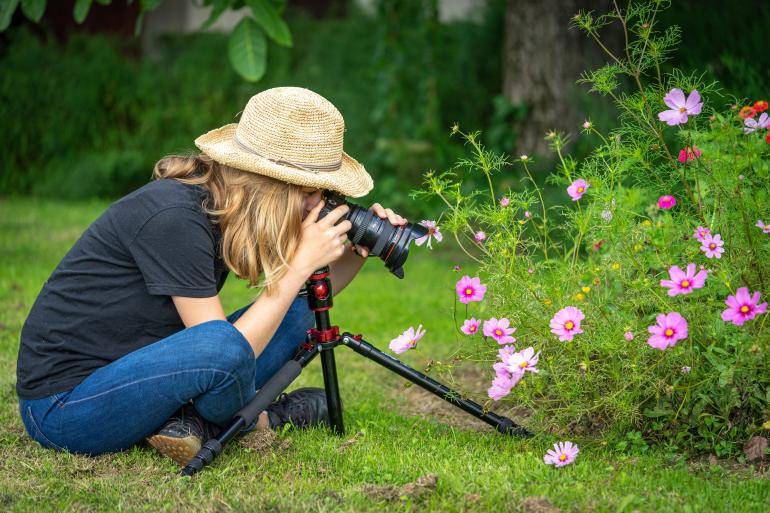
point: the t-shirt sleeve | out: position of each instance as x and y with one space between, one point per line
175 253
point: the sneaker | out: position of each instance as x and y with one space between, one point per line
304 407
182 436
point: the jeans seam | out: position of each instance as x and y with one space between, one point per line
229 374
40 431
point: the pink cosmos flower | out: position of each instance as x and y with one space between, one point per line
499 330
701 232
433 231
470 326
666 201
680 107
577 189
684 283
456 268
743 307
686 369
480 236
671 328
527 214
523 361
566 323
501 386
505 201
712 246
687 154
752 125
505 352
407 340
563 453
765 227
470 289
628 335
586 124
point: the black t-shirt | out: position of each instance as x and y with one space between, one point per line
111 293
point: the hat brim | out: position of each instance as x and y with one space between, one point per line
351 179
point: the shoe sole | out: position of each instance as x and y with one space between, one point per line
180 450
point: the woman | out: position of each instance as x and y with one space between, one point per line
129 333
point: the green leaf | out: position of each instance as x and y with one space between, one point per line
270 21
149 5
104 2
33 9
81 10
247 50
220 6
7 8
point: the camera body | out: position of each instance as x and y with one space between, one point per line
390 243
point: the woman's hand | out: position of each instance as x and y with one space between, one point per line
382 213
322 241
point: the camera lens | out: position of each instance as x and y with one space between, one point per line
389 243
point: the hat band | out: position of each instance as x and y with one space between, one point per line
313 168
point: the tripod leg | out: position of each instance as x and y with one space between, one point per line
333 401
500 423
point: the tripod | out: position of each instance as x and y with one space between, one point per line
323 339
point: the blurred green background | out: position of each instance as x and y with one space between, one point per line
88 109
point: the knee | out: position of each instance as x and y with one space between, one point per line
224 345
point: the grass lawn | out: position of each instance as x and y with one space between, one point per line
403 450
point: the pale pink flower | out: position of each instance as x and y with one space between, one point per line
456 268
743 307
470 326
680 107
765 227
712 246
499 330
687 154
407 340
566 323
586 124
666 201
577 189
530 270
527 214
671 328
505 201
505 352
686 369
470 289
701 232
752 125
684 282
501 386
523 361
628 335
563 453
433 232
480 236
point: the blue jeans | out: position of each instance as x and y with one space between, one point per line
121 403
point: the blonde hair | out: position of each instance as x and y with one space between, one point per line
260 217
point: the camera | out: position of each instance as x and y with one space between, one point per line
390 243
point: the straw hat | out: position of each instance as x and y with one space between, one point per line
291 134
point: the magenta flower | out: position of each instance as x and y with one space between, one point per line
480 236
743 307
505 201
628 335
470 289
433 231
566 323
680 107
470 326
501 386
765 227
701 232
407 340
684 283
752 125
666 201
523 361
712 246
671 328
499 330
687 154
577 189
562 454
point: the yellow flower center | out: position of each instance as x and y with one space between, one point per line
745 309
563 457
703 234
712 246
685 284
581 189
469 291
569 325
523 365
682 109
472 329
767 227
499 332
669 332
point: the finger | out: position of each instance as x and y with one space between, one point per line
312 216
379 210
335 215
342 228
362 251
